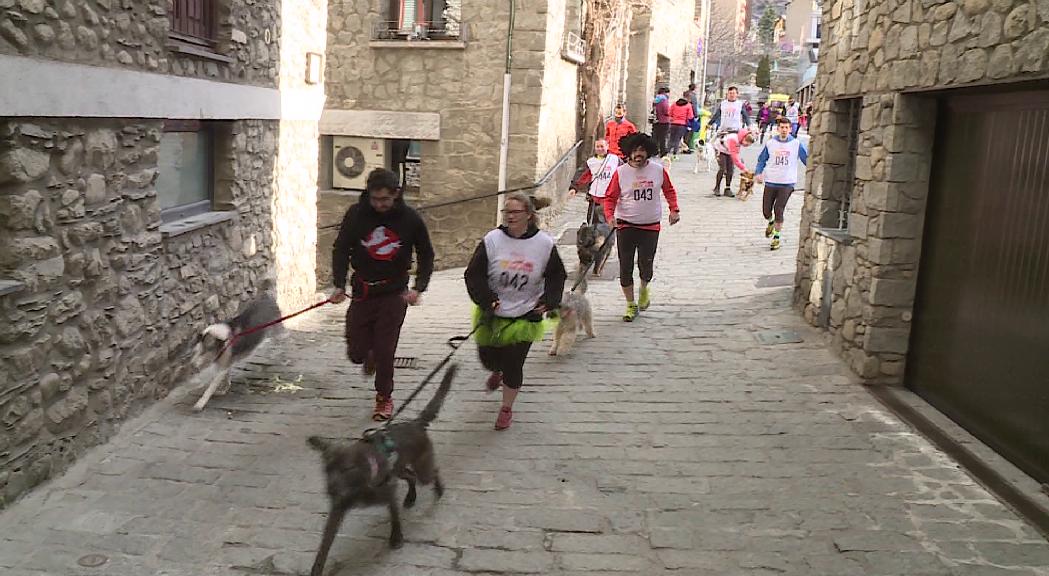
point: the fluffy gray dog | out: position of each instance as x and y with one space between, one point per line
365 472
575 314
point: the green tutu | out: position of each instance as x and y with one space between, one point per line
506 331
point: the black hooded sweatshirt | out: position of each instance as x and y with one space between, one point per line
379 248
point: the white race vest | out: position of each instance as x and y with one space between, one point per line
515 270
731 115
792 113
640 191
782 166
601 170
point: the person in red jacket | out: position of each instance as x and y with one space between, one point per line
618 128
680 115
633 204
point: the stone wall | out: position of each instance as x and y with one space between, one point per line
110 304
303 27
663 28
134 35
463 82
893 55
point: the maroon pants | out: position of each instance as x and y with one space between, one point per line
373 328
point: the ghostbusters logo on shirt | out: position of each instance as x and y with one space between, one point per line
382 243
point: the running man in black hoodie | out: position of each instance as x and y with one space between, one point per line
376 238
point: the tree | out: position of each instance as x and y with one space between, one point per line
606 27
767 28
763 76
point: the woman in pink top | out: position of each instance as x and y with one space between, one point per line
728 147
680 113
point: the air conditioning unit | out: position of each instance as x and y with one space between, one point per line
354 158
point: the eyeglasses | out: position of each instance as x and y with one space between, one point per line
513 212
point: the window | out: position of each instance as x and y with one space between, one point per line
421 19
194 21
185 183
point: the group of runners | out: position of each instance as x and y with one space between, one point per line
515 277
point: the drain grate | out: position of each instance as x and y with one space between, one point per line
406 362
771 337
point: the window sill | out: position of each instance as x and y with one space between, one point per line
186 225
573 58
839 235
421 44
10 287
181 47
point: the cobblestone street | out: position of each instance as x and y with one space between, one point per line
684 443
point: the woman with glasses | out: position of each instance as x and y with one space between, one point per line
514 277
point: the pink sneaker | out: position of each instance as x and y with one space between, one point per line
494 381
383 408
506 416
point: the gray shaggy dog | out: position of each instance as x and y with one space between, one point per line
365 472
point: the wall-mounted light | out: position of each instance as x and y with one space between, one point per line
314 68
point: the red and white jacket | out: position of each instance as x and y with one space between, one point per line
598 174
632 200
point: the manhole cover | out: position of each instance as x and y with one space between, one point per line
406 363
92 560
778 337
774 280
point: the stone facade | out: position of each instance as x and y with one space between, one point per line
660 28
462 81
134 35
885 60
110 304
102 298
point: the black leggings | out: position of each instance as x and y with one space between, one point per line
725 168
643 242
506 359
775 201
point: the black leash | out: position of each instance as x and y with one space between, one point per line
455 342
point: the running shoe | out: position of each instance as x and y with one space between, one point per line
506 416
631 312
383 408
643 300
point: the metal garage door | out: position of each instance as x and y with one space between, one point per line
980 344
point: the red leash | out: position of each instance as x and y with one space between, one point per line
254 329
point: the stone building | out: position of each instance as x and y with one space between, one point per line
924 251
157 163
420 91
663 42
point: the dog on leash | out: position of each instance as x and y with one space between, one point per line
575 315
588 244
213 350
746 185
365 472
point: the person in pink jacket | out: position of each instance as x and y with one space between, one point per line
728 147
680 113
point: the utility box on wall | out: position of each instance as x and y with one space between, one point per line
353 158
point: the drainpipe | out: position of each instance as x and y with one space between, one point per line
504 140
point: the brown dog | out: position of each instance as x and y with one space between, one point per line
746 185
365 472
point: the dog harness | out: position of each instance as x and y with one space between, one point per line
383 460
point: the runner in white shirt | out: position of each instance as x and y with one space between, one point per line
778 164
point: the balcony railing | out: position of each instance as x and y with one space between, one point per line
421 31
